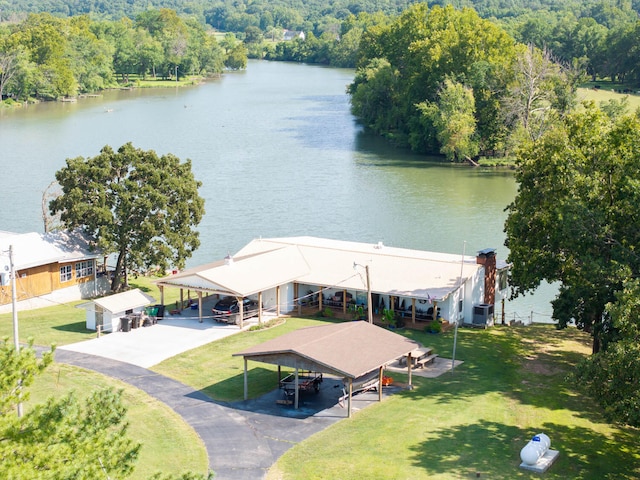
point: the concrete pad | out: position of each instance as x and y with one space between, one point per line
431 370
543 464
148 346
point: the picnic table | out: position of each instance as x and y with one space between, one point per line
419 357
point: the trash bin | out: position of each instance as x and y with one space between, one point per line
125 324
160 313
135 322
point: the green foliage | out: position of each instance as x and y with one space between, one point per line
574 219
435 326
142 207
403 74
60 438
612 376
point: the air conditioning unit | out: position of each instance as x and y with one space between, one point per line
483 314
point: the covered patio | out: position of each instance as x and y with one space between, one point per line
356 351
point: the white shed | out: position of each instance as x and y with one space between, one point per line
106 311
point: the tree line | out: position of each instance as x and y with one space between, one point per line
48 57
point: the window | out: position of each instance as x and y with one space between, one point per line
84 269
66 274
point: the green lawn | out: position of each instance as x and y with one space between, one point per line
168 444
605 94
511 386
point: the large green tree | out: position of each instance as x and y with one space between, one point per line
613 375
575 218
142 207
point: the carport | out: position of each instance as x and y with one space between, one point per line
353 350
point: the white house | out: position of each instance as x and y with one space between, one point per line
287 274
107 311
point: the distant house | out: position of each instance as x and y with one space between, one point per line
50 268
291 274
106 312
289 35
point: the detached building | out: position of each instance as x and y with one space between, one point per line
50 268
296 274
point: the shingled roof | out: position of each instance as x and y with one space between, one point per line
350 350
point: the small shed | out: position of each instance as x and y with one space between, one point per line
353 351
106 311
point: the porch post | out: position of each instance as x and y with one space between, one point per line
246 381
278 301
181 299
409 363
241 311
349 400
320 299
413 310
344 302
200 306
161 294
297 391
260 308
296 296
380 375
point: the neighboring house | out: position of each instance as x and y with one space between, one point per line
107 311
287 274
50 268
288 35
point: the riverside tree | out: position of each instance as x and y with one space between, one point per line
574 219
142 207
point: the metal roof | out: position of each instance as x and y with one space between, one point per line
350 349
266 263
35 249
121 302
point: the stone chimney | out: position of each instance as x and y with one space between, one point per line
487 257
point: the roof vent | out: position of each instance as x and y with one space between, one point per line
379 245
228 260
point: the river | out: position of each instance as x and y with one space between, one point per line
278 154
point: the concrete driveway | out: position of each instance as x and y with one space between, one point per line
148 346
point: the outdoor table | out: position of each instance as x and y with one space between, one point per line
416 356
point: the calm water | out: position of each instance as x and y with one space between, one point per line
278 154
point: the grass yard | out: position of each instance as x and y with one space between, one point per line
66 323
473 423
168 444
212 368
605 94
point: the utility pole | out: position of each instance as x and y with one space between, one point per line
16 338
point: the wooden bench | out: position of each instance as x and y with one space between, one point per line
416 356
426 360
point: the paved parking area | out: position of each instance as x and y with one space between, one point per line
148 346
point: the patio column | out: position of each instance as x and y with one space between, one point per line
409 363
413 310
296 390
344 302
320 299
161 294
349 399
181 298
278 301
296 290
246 381
380 375
241 311
260 308
199 306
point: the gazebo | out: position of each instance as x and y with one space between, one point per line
352 350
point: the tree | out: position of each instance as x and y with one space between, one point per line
142 207
64 437
574 219
613 375
453 117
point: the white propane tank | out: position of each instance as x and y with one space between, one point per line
535 449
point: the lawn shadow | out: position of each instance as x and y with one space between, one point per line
530 364
584 453
77 327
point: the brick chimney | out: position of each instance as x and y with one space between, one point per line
487 257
